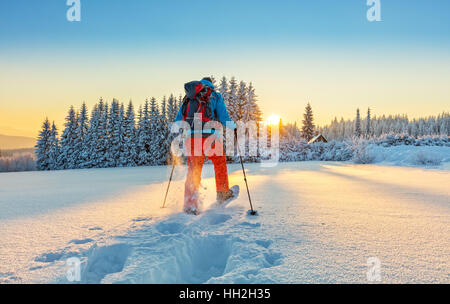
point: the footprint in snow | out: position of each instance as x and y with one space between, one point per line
142 219
169 227
273 258
49 257
95 228
79 242
105 260
11 279
14 278
248 224
264 243
216 219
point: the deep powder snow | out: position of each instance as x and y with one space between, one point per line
318 222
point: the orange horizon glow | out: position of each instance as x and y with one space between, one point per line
335 87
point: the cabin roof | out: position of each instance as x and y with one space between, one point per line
318 138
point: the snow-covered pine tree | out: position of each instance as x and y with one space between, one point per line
123 155
243 110
156 135
97 138
292 131
223 89
444 124
368 124
114 131
342 128
144 139
334 128
172 108
444 128
104 142
180 102
255 112
80 143
308 126
68 154
163 111
248 111
232 100
447 123
130 153
358 124
166 136
92 138
213 81
138 134
172 111
242 106
43 147
54 148
163 156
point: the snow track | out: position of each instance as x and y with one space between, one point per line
105 260
184 249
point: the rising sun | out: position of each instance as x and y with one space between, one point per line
273 119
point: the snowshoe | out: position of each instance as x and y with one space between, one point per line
191 210
224 198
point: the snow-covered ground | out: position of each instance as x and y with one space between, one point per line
402 155
318 222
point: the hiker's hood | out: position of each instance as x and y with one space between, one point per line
207 83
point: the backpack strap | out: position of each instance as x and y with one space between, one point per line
193 88
185 107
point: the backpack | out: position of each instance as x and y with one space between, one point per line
197 101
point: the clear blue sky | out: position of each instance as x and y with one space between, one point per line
137 23
321 51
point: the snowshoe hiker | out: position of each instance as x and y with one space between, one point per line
201 98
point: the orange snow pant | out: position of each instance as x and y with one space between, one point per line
197 148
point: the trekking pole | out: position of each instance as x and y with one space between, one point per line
168 185
252 211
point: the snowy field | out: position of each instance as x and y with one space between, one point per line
318 222
429 156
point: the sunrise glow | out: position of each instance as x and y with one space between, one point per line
273 119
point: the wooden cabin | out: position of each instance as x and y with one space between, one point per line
318 138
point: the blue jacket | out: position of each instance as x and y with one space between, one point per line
217 106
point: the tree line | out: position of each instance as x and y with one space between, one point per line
376 126
368 127
112 135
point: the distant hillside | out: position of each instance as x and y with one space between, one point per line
16 142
